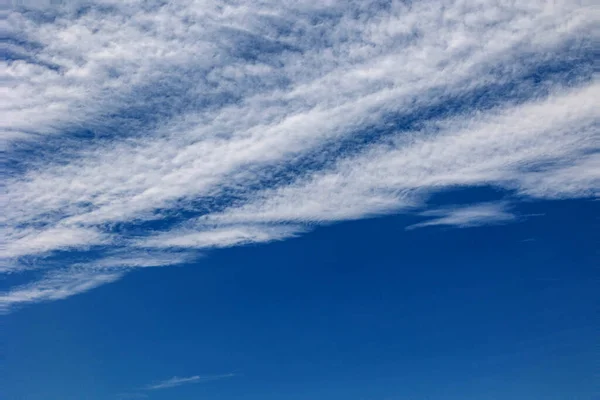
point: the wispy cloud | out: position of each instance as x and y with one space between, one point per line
137 135
467 216
62 282
55 286
177 381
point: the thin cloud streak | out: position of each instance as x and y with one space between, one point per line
176 381
467 216
56 286
61 282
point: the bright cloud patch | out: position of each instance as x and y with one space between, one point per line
137 134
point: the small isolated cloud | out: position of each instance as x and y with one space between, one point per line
177 381
468 216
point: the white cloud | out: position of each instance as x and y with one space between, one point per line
222 236
122 124
65 281
56 286
200 151
500 148
578 177
33 241
176 381
467 216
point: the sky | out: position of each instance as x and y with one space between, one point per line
356 200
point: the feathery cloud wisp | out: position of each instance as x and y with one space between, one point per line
467 216
176 381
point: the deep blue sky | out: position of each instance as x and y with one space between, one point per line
361 310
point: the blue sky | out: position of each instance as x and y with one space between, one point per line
370 200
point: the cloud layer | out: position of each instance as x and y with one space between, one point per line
140 133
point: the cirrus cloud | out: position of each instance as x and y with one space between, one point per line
138 134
